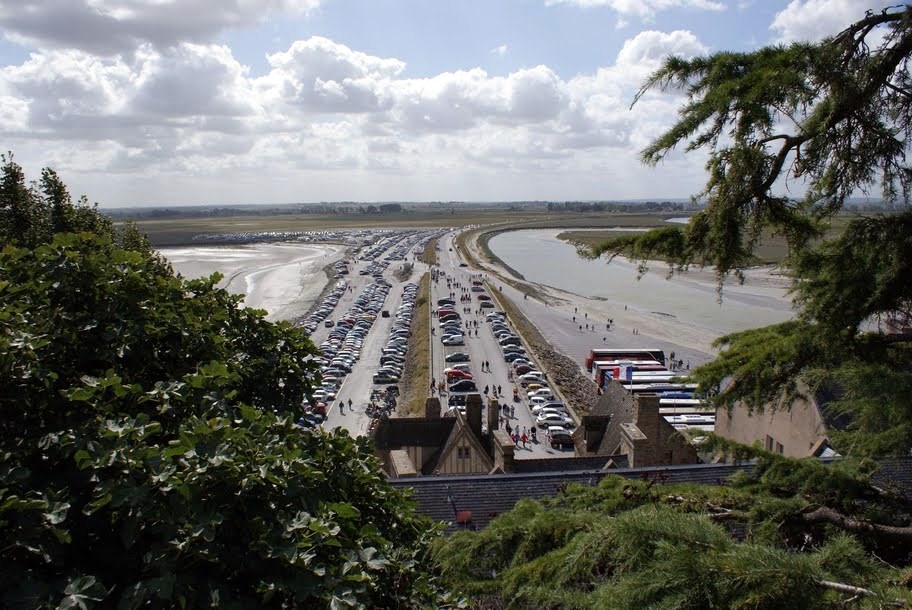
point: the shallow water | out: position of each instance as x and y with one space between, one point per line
540 257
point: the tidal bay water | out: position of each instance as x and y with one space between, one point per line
691 297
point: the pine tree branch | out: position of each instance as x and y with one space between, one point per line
824 514
857 592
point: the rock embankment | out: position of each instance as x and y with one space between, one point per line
580 392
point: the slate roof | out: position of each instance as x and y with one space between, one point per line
617 403
490 495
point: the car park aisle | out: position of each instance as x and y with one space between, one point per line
484 347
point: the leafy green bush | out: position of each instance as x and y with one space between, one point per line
148 451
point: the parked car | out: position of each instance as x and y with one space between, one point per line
464 385
383 379
543 408
457 357
453 340
559 438
486 305
553 419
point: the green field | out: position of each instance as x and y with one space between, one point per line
181 231
772 249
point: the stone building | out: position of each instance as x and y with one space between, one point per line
629 429
800 429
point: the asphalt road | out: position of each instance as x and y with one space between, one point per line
480 348
359 383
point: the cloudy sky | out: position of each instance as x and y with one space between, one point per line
164 102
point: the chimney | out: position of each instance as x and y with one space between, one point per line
432 408
647 415
503 451
594 430
493 415
473 414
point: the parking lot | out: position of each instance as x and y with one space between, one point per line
482 344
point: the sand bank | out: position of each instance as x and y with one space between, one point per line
282 278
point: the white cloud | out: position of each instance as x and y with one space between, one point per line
107 27
812 20
319 74
645 10
193 110
500 50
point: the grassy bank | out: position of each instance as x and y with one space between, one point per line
429 256
511 277
416 374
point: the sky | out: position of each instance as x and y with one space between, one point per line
198 102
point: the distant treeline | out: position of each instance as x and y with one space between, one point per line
608 206
206 212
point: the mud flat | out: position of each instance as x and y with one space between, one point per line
282 278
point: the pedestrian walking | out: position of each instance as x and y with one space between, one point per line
524 439
486 390
499 391
341 407
349 404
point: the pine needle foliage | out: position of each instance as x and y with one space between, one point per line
624 544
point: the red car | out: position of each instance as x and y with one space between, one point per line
457 375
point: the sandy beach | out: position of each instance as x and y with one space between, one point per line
282 278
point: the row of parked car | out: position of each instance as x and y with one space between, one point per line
312 321
450 323
452 333
342 348
381 246
341 268
392 359
550 413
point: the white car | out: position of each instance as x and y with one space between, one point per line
542 391
553 419
453 340
550 411
545 406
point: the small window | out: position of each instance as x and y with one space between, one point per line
462 453
769 442
780 449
